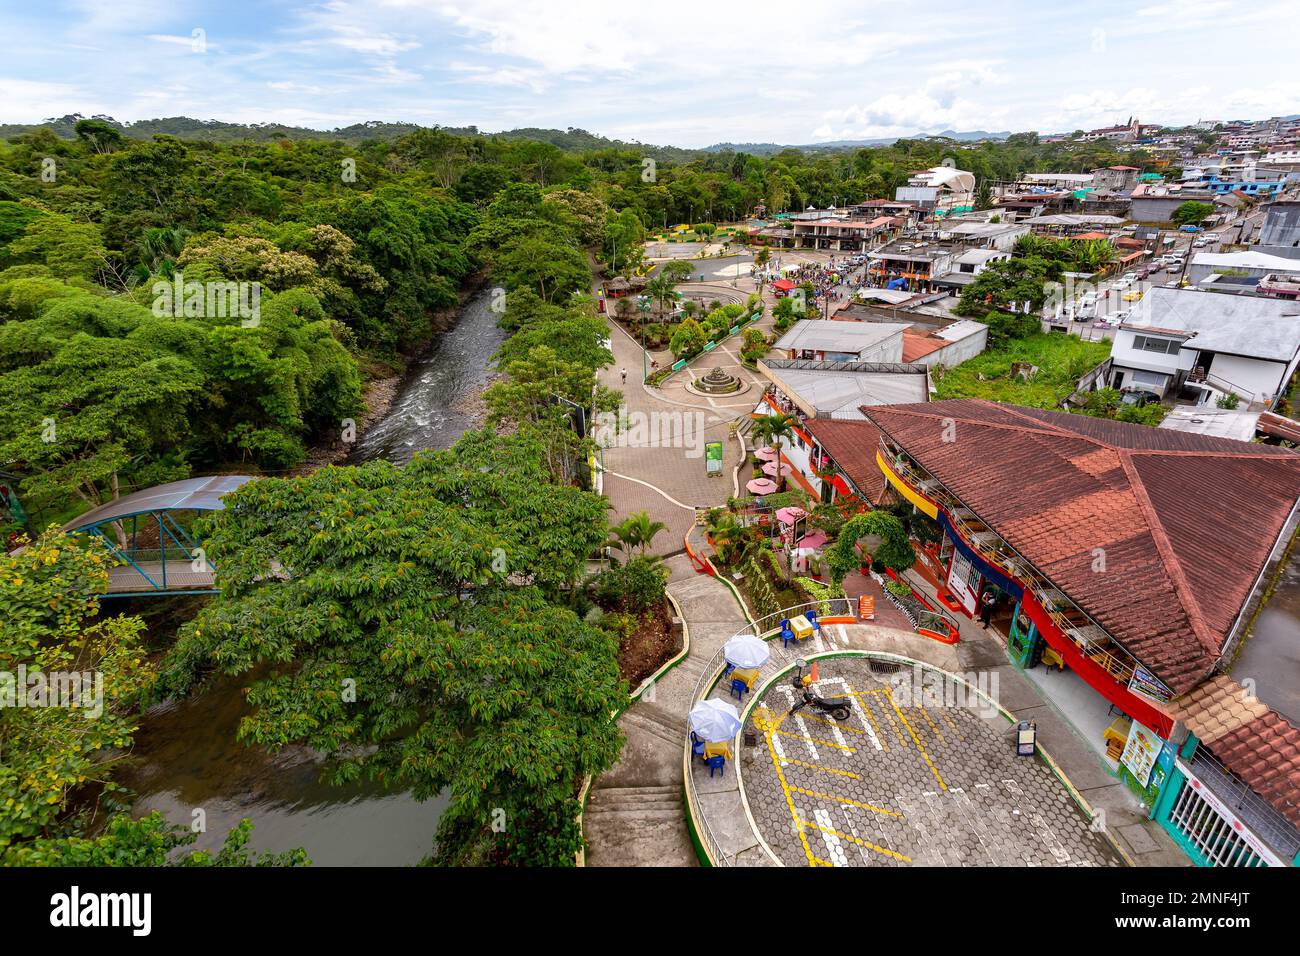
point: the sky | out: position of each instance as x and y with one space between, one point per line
673 72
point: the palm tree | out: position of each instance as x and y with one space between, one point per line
636 531
774 429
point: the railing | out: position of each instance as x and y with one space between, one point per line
1261 816
1116 661
780 660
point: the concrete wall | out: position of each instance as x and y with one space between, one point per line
1261 378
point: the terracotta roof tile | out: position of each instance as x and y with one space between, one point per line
843 440
1217 707
1265 754
1187 522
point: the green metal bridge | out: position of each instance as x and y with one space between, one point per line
141 529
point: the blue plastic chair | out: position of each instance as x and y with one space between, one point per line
787 636
697 745
717 763
739 688
728 669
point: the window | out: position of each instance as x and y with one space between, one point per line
1150 378
1147 343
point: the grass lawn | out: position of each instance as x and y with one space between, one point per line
1061 361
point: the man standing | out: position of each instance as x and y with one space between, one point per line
623 373
987 603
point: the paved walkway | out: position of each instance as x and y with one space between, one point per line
983 652
636 815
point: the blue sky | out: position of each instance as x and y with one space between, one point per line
685 72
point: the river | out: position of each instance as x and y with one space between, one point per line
186 756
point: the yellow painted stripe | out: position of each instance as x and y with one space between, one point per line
844 800
814 766
852 839
833 723
916 740
817 740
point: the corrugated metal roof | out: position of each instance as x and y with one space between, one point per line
191 494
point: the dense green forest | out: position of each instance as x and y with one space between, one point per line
115 375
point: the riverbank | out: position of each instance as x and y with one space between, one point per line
379 393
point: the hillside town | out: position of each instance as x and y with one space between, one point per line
858 467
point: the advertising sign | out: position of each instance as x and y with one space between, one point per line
1140 753
713 458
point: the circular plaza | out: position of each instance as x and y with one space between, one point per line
923 773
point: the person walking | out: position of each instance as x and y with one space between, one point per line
623 373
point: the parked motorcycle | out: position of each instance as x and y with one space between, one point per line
837 707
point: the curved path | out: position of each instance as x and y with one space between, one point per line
636 814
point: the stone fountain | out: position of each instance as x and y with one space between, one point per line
717 382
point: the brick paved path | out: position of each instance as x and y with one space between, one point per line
900 785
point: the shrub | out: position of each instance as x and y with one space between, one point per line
636 586
688 340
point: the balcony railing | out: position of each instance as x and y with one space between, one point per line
1091 639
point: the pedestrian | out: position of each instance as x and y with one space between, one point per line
623 373
987 603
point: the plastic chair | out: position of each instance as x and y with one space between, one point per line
697 745
717 763
787 636
739 688
728 669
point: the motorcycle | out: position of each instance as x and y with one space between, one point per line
837 707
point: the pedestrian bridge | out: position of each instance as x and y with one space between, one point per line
142 530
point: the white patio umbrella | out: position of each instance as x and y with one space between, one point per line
746 651
716 721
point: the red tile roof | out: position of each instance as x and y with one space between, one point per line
1265 754
844 441
1187 522
917 345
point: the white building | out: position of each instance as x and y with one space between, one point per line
831 340
941 188
1245 345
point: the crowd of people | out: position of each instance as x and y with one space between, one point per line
836 279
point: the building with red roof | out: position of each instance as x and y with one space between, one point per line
1135 557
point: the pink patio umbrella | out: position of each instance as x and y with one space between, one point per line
790 515
770 469
767 453
761 486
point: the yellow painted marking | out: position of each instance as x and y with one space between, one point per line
844 800
818 740
953 724
834 723
893 725
814 766
813 860
933 726
916 740
852 839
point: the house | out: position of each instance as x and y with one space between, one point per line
845 235
832 340
1217 344
1120 179
1109 545
940 189
1281 229
987 235
1252 263
811 391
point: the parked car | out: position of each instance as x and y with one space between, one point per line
1140 397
